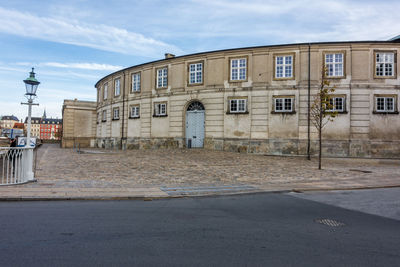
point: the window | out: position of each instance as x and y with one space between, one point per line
117 87
237 105
160 109
238 69
136 82
284 67
334 64
196 73
135 111
105 93
283 104
115 113
104 115
336 104
384 64
162 77
385 104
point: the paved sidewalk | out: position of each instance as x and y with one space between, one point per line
100 174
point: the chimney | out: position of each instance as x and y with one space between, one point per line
169 55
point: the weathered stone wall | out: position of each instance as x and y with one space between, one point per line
79 123
357 132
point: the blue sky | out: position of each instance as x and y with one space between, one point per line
72 44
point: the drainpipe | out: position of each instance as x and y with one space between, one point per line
308 100
123 112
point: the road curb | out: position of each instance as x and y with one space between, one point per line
300 190
143 198
203 195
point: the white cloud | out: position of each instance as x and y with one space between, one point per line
85 66
74 32
81 65
295 21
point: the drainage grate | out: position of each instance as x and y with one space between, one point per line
330 222
204 190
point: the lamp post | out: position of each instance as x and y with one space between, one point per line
31 85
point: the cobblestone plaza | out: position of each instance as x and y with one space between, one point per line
199 167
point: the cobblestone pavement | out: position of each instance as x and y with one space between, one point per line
168 168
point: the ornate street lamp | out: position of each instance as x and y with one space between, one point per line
31 85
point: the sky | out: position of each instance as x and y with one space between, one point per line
72 44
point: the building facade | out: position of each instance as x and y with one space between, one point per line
7 122
50 129
79 123
257 100
35 126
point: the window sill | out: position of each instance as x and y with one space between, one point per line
283 78
283 112
236 113
385 77
385 112
335 77
134 118
159 116
104 121
115 119
194 84
238 81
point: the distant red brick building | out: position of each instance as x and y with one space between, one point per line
50 129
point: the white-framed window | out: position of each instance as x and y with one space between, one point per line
104 118
284 66
336 104
385 103
105 91
135 111
195 73
384 64
115 113
283 104
117 87
136 82
238 69
334 64
160 109
162 77
237 105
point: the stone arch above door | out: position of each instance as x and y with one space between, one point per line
195 105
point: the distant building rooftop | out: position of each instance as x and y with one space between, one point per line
34 120
51 121
9 118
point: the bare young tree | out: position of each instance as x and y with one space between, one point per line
322 110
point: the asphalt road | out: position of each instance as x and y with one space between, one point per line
249 230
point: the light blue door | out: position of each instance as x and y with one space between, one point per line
195 128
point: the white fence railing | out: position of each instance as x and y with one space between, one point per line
13 165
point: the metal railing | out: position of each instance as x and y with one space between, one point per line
13 165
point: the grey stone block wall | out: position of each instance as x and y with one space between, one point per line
331 148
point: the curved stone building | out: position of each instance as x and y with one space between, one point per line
256 100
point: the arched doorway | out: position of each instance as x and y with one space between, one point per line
195 125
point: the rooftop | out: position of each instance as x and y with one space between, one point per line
9 118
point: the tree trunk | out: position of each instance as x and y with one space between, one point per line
320 133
